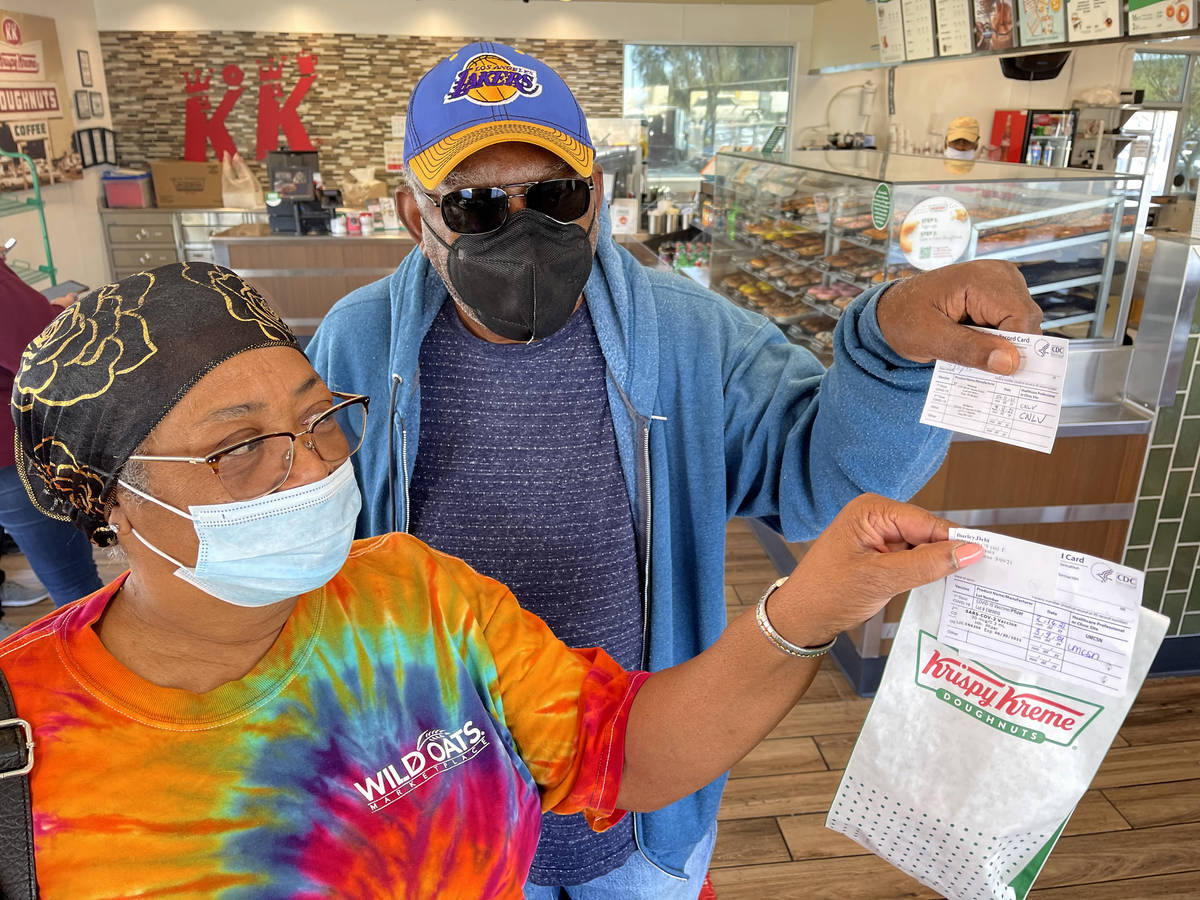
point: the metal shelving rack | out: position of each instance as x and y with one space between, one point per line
28 272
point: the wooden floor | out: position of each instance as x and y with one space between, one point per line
1135 835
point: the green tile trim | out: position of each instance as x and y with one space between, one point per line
1191 520
1162 551
1187 445
1176 496
1190 624
1182 568
1135 557
1155 476
1193 404
1152 590
1166 427
1144 517
1172 607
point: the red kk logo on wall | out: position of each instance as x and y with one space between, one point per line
275 113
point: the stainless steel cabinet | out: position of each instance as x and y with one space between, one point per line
137 239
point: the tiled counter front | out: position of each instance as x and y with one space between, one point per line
1165 536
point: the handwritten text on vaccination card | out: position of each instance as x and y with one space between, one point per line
1067 615
1020 409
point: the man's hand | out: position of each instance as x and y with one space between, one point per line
922 318
873 550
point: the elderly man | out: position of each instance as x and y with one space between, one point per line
582 429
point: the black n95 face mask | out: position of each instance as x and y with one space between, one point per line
523 280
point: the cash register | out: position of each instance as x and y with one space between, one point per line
296 201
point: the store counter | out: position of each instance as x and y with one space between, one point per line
798 237
304 275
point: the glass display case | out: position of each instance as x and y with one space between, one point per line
799 237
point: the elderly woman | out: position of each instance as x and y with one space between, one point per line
262 707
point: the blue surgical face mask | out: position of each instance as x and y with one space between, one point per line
259 552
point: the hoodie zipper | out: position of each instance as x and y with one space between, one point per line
397 383
648 545
637 818
404 470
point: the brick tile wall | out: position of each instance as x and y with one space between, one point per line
363 80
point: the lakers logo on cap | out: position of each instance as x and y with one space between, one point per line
489 79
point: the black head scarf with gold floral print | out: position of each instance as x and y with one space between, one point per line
96 382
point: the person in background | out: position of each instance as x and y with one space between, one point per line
59 555
962 139
582 428
263 707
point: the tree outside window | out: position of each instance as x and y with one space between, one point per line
1171 78
699 99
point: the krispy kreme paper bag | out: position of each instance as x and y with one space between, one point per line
964 774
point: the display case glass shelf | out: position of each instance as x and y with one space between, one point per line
799 237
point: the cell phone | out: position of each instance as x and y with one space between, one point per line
63 288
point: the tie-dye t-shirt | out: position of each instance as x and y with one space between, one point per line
400 739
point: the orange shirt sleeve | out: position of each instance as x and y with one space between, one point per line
567 710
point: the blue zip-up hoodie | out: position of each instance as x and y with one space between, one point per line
716 415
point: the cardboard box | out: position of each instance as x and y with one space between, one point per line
178 183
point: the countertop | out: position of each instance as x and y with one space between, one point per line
139 210
260 232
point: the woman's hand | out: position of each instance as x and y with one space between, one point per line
65 300
873 550
690 723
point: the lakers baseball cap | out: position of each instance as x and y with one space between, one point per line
964 128
488 93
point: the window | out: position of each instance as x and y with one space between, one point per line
1160 75
1171 78
699 99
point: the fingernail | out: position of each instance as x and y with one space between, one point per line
1000 362
965 554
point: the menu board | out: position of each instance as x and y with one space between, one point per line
889 20
1043 22
1090 20
953 27
1152 16
918 28
995 25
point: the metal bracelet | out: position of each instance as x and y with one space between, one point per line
780 642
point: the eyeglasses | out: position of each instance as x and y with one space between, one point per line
478 210
259 465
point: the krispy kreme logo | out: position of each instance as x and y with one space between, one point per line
1030 713
488 79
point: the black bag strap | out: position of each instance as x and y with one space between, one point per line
18 878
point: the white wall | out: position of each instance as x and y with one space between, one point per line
930 94
703 22
71 209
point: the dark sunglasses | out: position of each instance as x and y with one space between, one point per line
478 210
